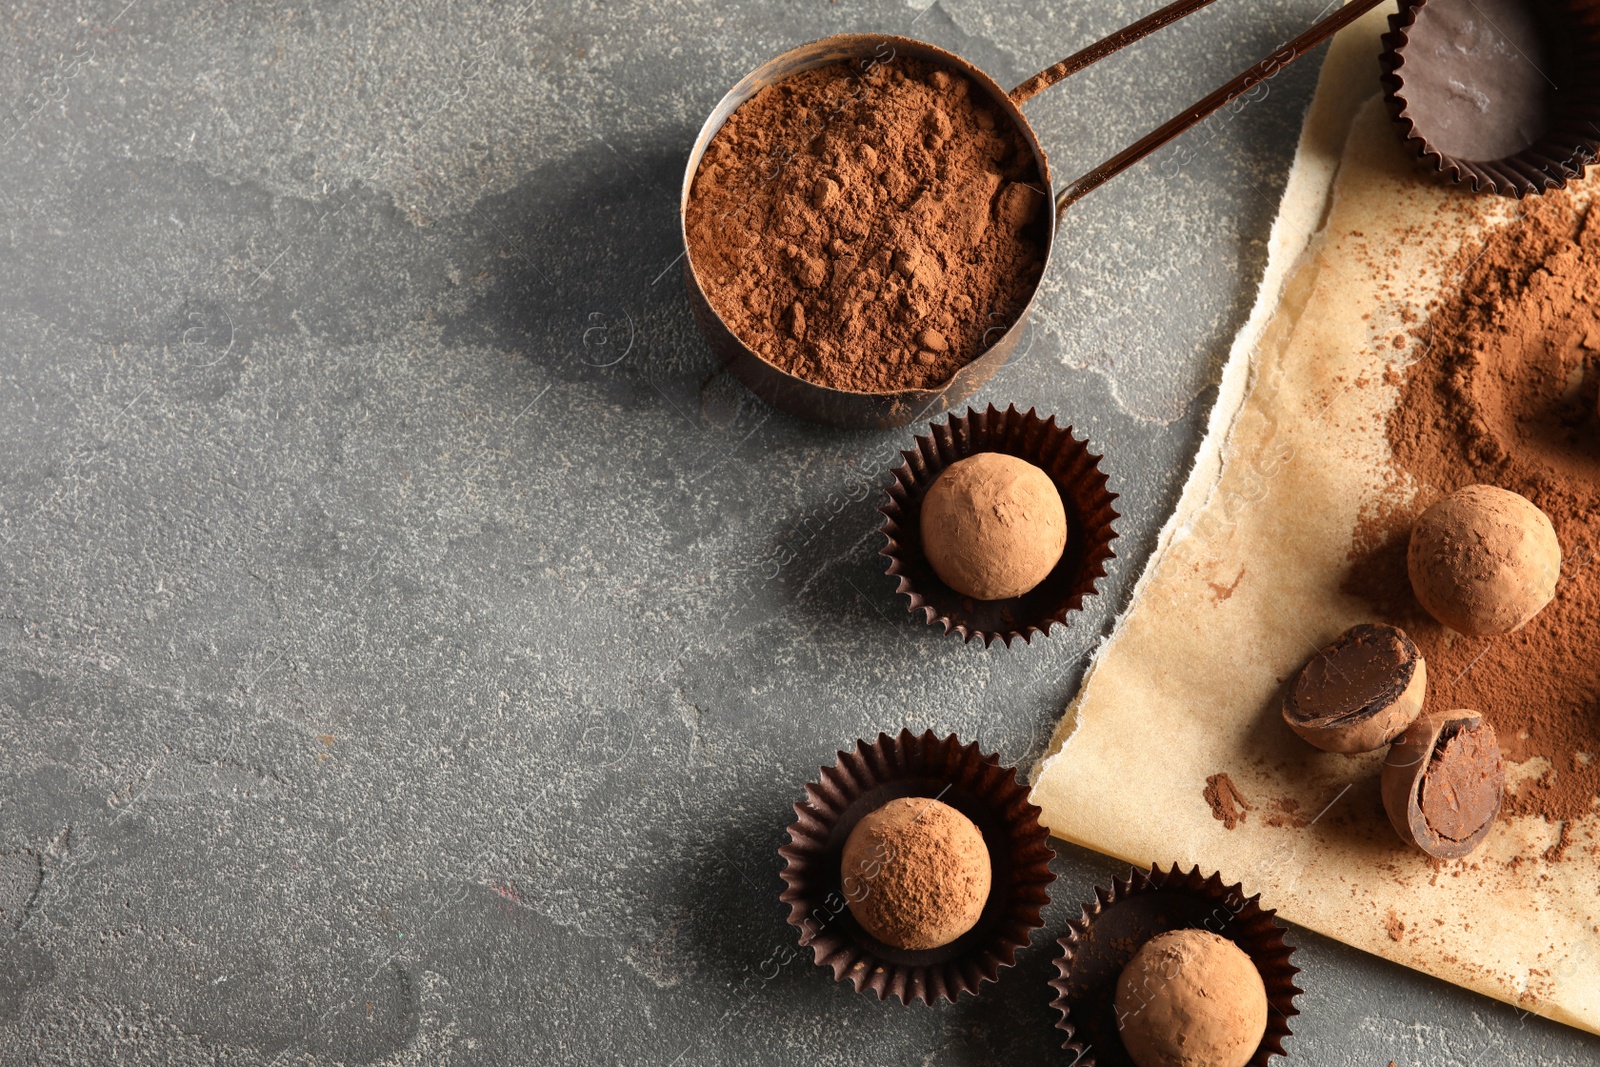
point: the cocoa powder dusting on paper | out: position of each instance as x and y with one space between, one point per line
1286 814
1558 851
1228 805
1504 391
871 227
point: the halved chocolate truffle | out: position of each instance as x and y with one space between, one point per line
1443 781
1359 692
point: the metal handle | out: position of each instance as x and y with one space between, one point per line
1243 83
1114 42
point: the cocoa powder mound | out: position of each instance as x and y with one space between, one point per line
1503 391
868 227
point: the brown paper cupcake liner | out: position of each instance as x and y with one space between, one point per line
1572 140
1112 927
1084 491
970 781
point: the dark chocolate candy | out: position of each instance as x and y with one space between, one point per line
1478 77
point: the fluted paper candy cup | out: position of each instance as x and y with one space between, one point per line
819 891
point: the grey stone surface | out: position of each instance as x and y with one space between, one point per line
411 643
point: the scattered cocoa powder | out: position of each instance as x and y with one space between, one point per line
1228 805
1394 927
1504 392
870 227
1286 814
1558 851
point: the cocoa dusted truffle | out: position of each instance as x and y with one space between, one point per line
916 873
1443 781
1191 998
1360 692
993 526
1484 560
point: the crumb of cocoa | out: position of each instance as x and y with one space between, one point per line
1558 851
1221 592
1286 814
1228 805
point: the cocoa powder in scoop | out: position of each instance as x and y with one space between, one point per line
1503 391
868 226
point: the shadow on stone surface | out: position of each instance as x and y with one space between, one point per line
585 279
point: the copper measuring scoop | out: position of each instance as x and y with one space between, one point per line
847 408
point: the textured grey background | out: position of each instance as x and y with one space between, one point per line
411 644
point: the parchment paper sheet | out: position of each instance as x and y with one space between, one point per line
1244 586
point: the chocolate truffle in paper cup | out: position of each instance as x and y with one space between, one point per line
923 869
993 526
916 867
1191 997
1115 1014
921 520
1501 95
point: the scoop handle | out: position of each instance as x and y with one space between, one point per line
1106 45
1244 83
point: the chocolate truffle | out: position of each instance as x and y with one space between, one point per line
1191 998
1443 781
916 873
993 526
1360 692
1484 560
